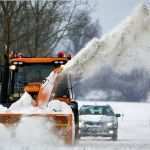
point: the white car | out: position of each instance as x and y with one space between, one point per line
98 120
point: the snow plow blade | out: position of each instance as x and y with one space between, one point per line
63 124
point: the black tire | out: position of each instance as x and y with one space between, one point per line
115 135
74 107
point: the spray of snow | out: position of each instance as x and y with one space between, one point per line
122 49
41 132
29 133
100 95
125 50
147 4
57 106
24 102
46 89
93 95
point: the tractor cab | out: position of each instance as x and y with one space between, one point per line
26 74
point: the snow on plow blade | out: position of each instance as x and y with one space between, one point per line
63 124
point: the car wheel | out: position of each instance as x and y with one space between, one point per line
115 135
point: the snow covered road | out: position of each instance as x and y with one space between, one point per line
134 133
109 145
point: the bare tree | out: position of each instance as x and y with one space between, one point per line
49 20
36 27
83 30
8 9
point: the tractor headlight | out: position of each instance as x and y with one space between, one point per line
12 67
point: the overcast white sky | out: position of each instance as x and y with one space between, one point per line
111 12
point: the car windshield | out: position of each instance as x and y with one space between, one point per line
96 110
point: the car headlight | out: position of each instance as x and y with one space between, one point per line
109 124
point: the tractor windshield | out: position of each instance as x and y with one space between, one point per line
25 74
32 72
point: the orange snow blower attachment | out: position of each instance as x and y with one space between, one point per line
63 122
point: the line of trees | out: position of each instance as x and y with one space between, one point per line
82 30
116 86
37 27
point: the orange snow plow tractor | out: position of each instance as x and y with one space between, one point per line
26 75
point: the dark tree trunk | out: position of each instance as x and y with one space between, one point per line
5 80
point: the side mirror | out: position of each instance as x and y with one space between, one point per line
117 115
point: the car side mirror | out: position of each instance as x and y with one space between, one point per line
117 115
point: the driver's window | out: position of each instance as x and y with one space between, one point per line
108 111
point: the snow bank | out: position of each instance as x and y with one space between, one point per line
2 108
24 102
